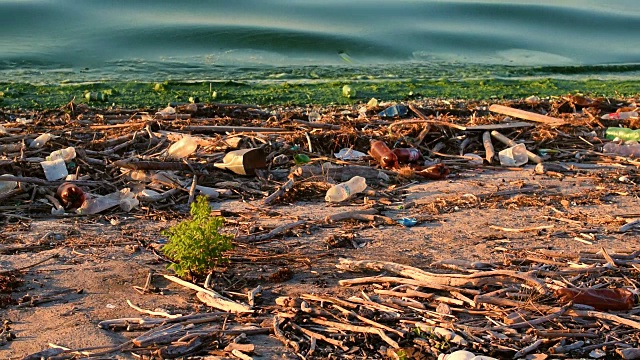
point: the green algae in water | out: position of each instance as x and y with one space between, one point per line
145 95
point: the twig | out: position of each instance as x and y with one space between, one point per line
150 312
278 193
212 298
535 228
271 234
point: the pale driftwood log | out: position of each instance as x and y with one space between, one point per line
240 355
212 298
249 348
535 228
358 329
490 153
475 279
526 115
563 349
161 336
155 313
278 193
271 234
251 295
399 280
186 319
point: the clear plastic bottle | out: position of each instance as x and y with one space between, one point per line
620 115
345 190
383 155
631 150
40 140
407 155
6 186
622 133
183 147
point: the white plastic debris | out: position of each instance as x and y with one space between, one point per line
40 140
55 169
349 154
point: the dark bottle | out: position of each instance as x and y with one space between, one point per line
407 155
70 195
601 299
383 155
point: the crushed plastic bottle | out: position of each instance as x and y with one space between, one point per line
513 156
393 111
40 140
345 190
626 150
183 147
99 204
64 154
601 299
620 115
622 134
96 96
349 154
301 159
7 185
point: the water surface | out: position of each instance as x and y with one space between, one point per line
79 40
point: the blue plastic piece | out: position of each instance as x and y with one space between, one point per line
393 111
408 222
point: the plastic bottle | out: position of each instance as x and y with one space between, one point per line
70 195
619 116
601 299
632 150
40 140
622 133
464 355
6 186
183 148
64 154
407 155
343 191
383 155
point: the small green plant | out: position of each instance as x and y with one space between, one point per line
195 245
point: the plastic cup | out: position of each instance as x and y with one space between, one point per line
513 156
54 170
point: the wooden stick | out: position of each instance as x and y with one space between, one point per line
314 335
490 153
535 228
528 349
226 129
273 233
278 193
444 279
356 328
347 215
526 115
317 125
212 298
399 280
155 313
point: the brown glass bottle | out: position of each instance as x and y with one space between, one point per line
601 299
383 155
407 155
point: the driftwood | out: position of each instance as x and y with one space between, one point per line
488 147
236 129
212 298
271 234
527 115
362 215
360 329
278 193
475 279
